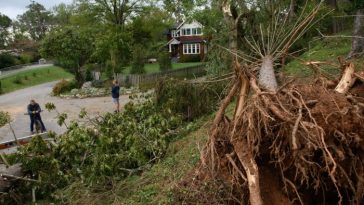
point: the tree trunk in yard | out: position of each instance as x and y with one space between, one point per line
267 78
335 22
241 146
292 10
357 46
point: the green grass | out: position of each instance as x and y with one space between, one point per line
154 68
33 77
327 50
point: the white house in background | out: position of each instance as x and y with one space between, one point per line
187 39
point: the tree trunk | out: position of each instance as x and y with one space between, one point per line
335 23
357 46
347 79
292 10
241 146
267 78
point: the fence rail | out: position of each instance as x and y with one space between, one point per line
136 80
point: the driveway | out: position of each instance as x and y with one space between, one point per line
16 104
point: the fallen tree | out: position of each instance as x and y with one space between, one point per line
298 145
290 144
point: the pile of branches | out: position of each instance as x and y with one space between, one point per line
299 144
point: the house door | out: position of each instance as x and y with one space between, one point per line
174 50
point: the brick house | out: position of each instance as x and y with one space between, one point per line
186 41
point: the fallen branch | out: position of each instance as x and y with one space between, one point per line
347 79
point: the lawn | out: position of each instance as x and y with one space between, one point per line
326 50
154 68
33 77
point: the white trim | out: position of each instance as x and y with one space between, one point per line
193 21
173 41
191 34
191 48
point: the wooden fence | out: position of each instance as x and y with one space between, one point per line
137 80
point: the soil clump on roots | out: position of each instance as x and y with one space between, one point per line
305 141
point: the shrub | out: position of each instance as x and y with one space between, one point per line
164 61
7 60
88 75
137 66
25 59
4 118
190 58
17 80
63 86
189 100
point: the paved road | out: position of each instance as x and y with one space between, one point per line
11 72
16 102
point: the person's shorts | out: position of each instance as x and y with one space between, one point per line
115 100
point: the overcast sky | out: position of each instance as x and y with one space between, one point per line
12 8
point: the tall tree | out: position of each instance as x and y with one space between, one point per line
36 21
5 23
357 46
118 11
71 47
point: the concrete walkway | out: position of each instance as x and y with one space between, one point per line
16 104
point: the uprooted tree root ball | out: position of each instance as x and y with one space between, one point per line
304 141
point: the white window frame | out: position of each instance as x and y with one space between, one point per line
175 33
191 48
196 29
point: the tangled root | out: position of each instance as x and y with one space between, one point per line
307 143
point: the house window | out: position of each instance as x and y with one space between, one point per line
186 31
191 31
191 48
196 31
175 33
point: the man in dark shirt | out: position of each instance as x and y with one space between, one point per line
34 113
115 94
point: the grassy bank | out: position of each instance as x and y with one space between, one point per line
33 77
325 50
154 68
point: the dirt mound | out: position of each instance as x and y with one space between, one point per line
305 143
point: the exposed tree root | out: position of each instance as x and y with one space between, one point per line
311 135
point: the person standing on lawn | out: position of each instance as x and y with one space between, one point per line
115 94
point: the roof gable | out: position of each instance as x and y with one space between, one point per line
190 22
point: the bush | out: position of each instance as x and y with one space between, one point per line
4 118
88 75
63 86
7 60
17 80
164 61
190 58
137 66
189 100
25 59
